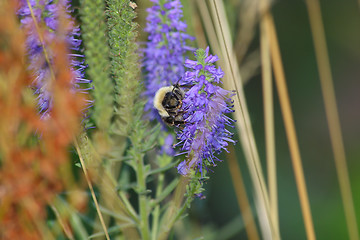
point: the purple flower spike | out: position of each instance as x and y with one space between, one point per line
164 54
205 106
47 11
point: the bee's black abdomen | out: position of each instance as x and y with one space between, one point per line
174 120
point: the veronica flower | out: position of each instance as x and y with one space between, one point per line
164 55
205 106
47 12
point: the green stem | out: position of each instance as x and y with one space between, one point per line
156 212
128 207
165 192
143 201
178 215
175 209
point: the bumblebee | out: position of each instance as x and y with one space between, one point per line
168 102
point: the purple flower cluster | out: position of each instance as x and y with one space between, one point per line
205 106
47 12
165 50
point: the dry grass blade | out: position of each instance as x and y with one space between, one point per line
243 202
242 116
269 120
250 66
63 224
91 190
241 195
289 126
209 27
332 115
248 19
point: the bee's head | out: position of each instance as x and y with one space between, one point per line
178 92
172 100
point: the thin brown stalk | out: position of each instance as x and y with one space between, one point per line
210 31
126 215
248 18
241 196
63 225
289 126
269 120
242 116
250 66
91 190
209 27
114 169
235 172
332 115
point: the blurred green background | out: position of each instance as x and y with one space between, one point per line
342 28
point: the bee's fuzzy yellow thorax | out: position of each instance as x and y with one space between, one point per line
159 97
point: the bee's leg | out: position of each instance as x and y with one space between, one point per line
179 121
170 121
181 112
181 126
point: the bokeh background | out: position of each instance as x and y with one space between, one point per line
342 29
